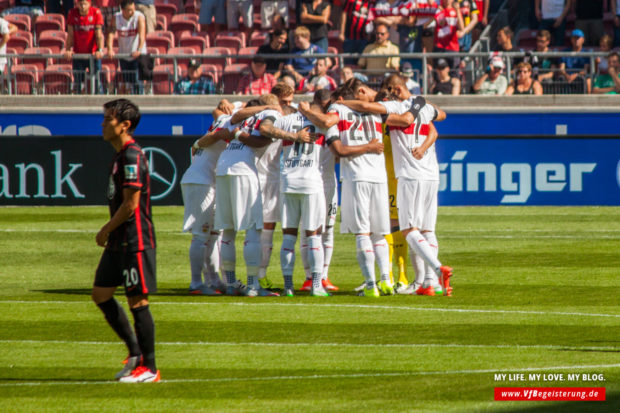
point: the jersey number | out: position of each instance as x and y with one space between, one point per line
131 277
367 123
301 148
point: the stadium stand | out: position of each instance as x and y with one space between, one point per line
22 21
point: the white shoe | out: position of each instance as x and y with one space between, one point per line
130 364
362 287
238 288
261 292
411 289
141 374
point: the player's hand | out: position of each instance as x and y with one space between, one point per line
304 106
417 153
304 136
374 146
225 106
102 237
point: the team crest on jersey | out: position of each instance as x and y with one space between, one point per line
131 172
90 19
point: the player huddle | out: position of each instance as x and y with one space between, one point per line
266 162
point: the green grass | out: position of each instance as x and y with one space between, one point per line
536 290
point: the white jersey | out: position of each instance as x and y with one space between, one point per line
355 129
405 139
328 167
268 163
301 162
127 32
202 169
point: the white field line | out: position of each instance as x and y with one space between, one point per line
356 306
318 344
323 376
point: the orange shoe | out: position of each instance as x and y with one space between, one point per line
328 285
425 291
307 285
446 273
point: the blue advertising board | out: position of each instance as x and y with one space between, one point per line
529 171
481 124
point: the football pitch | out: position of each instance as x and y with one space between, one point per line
536 291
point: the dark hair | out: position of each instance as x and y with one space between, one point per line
343 91
124 109
321 96
276 33
125 3
613 54
384 95
253 102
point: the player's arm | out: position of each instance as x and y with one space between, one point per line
402 120
319 119
365 107
210 138
245 113
223 108
253 141
345 151
268 129
419 152
131 199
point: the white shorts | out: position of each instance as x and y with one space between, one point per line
236 8
364 208
305 209
199 201
331 205
268 9
238 202
270 190
417 204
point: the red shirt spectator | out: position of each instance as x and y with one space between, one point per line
258 81
84 29
449 22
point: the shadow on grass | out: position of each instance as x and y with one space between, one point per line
169 292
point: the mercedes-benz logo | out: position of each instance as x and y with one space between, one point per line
163 172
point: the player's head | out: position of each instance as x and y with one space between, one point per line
342 92
322 99
269 99
284 93
397 85
385 96
287 110
361 90
123 110
254 102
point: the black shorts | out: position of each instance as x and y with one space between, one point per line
133 270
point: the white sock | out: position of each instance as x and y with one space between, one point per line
431 277
303 250
382 255
266 245
252 255
366 259
315 258
212 259
421 246
419 266
287 254
328 249
196 260
228 255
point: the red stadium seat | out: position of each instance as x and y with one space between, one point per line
184 21
162 22
217 56
195 42
57 82
22 21
212 71
162 40
181 62
333 40
233 43
232 76
40 62
232 33
54 39
259 38
20 40
247 51
163 79
25 79
192 6
50 21
166 10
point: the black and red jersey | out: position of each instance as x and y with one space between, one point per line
358 17
130 169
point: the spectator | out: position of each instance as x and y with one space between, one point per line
492 82
288 79
243 8
147 8
444 83
551 16
609 83
213 16
317 79
574 69
589 19
33 8
195 83
315 16
301 66
504 40
615 9
470 14
605 45
543 67
448 28
6 30
483 18
130 27
271 11
524 84
412 85
258 81
354 23
278 44
347 73
381 46
85 36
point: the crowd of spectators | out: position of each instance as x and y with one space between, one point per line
304 28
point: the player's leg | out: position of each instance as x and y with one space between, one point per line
140 281
303 253
291 215
212 263
107 277
193 221
331 198
428 231
266 243
312 219
270 192
380 226
226 211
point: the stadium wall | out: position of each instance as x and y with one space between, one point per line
493 151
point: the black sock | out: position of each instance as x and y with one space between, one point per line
117 319
145 331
